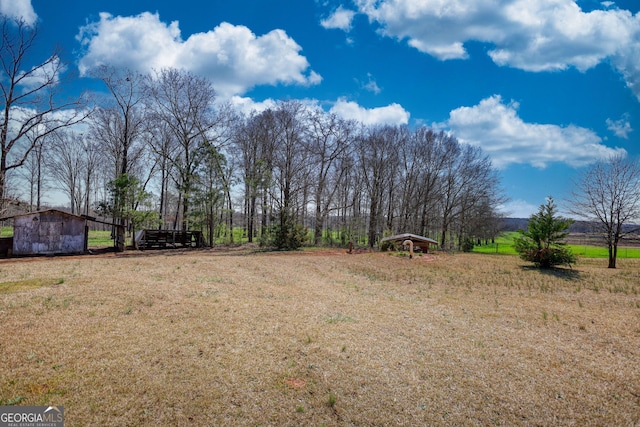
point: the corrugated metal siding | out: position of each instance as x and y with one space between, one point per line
48 232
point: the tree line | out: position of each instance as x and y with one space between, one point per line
157 151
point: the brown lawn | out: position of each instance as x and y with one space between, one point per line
322 338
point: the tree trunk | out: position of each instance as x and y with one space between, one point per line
210 220
175 219
185 211
265 213
163 185
39 179
251 222
229 201
3 181
613 255
318 226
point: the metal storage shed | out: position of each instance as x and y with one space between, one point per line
49 232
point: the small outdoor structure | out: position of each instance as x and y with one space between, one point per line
411 240
117 232
148 239
49 232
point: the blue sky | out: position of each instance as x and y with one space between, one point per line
545 87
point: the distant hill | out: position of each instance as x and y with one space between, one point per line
515 224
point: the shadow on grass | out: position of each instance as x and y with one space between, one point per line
560 273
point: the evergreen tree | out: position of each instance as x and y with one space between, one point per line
287 234
542 242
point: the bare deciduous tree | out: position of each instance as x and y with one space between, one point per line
290 161
67 165
31 109
92 157
162 143
378 158
432 154
33 173
184 103
254 142
120 123
608 194
328 140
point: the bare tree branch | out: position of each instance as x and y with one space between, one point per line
608 195
31 108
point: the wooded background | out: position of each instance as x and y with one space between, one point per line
159 151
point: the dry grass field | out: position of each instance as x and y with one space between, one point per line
320 338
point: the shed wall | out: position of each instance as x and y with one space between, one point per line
48 233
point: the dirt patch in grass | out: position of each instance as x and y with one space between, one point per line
243 338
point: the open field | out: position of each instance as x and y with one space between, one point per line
6 231
206 337
100 239
586 246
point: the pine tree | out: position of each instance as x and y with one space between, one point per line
542 242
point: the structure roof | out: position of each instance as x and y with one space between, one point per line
52 211
408 236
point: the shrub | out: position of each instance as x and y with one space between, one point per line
549 257
287 234
388 246
467 245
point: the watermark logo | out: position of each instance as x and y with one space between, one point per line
31 416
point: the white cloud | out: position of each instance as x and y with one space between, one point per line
518 209
501 133
48 74
19 115
393 114
19 9
621 128
371 85
627 62
541 35
340 19
248 105
140 42
231 55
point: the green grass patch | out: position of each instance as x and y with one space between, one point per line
100 238
6 231
11 402
504 245
23 285
339 317
600 252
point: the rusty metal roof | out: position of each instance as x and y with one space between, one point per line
45 211
408 236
